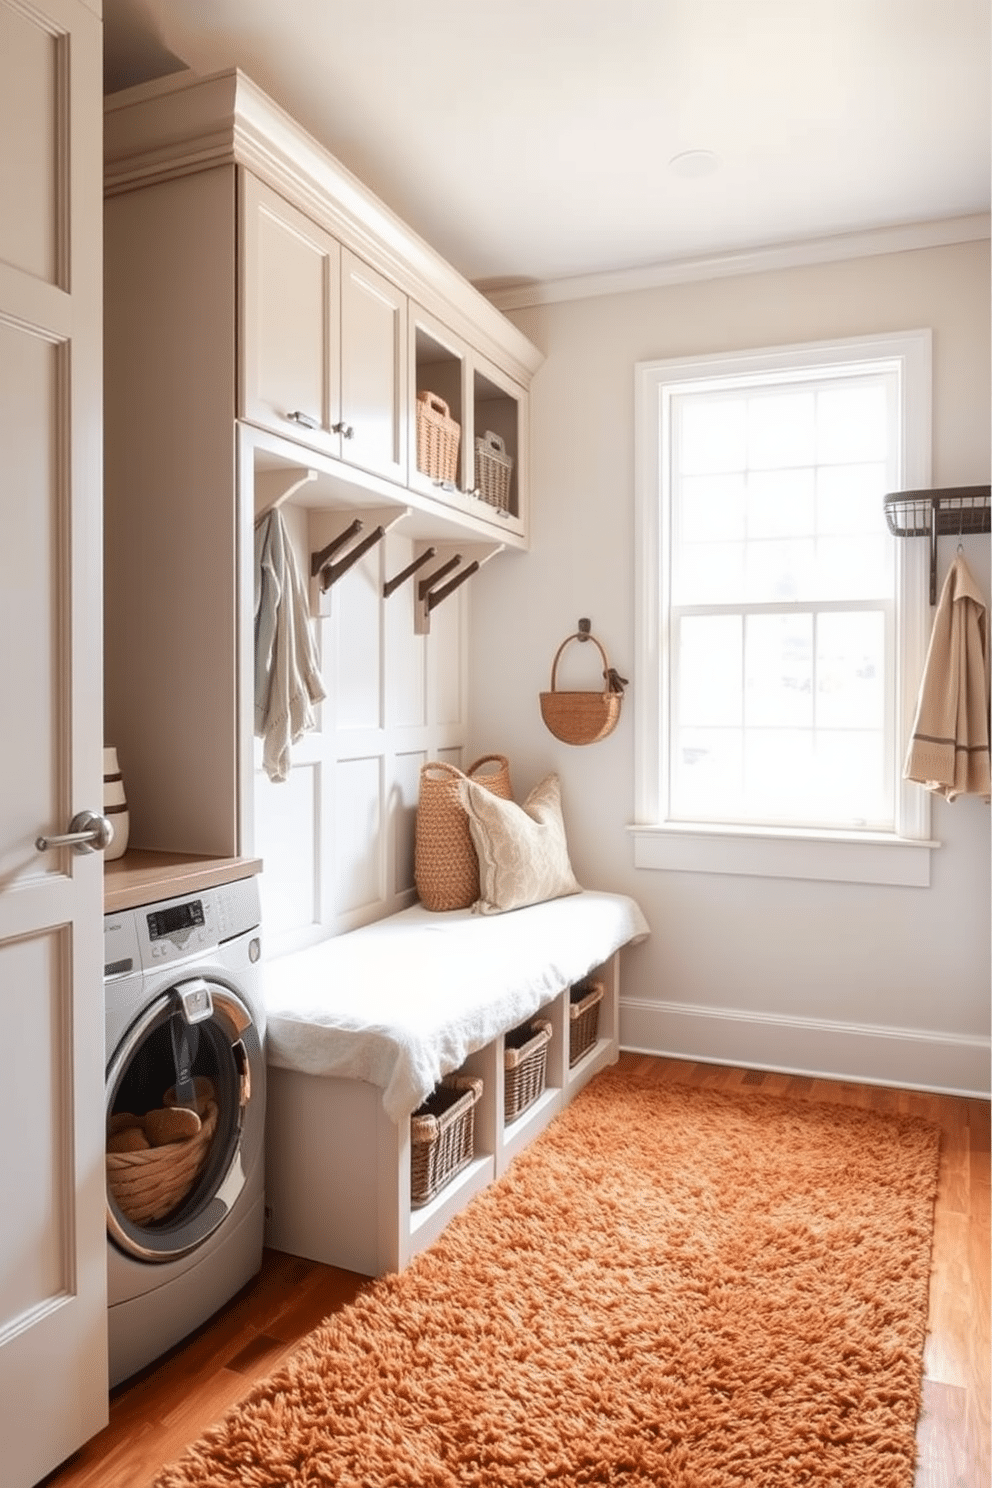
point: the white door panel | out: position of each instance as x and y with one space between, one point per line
53 1323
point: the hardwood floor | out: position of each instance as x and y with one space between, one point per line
154 1416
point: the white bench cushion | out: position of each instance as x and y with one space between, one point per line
405 1000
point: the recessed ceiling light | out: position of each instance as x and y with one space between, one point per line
694 163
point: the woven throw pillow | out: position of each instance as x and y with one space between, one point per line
522 851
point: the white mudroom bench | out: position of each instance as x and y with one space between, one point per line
361 1027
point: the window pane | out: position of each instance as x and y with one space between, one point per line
854 568
850 670
778 671
779 571
852 424
781 430
709 670
711 508
706 775
850 774
781 503
778 774
712 434
709 573
850 498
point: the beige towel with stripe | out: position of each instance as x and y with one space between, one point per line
949 746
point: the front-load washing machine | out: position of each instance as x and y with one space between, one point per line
184 1029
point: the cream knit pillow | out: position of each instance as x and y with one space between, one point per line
523 855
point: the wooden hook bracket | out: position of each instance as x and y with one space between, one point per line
426 585
433 597
320 560
456 567
391 585
334 550
330 572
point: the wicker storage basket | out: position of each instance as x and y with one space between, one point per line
446 866
493 468
148 1185
582 717
442 1136
438 438
525 1059
583 1016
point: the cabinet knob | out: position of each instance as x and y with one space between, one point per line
345 430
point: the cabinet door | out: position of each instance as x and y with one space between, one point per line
373 370
290 320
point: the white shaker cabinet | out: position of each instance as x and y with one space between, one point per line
323 339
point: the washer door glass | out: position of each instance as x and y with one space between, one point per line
183 1128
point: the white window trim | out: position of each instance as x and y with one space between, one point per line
901 857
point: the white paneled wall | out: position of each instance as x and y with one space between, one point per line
337 837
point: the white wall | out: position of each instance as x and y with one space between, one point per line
881 984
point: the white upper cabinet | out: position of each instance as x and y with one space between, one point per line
343 313
323 338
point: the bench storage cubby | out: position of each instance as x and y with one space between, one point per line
341 1093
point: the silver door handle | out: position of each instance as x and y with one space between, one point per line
87 833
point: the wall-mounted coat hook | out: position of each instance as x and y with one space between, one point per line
426 585
391 585
320 560
455 567
433 597
333 548
330 572
585 630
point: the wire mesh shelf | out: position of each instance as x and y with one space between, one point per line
952 511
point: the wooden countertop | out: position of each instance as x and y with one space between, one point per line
141 877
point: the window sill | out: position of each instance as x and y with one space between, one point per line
833 857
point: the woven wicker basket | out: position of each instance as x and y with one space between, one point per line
581 717
442 1136
583 1016
525 1059
446 866
493 468
148 1185
438 438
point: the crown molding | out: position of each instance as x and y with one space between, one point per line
900 239
184 123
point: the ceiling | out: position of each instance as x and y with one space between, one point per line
538 140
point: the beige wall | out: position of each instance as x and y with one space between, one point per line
874 983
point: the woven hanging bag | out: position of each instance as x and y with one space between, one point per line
446 868
583 717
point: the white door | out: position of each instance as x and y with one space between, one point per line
53 1362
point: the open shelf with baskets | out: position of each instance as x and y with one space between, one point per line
459 397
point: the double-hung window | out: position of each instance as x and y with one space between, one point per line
781 626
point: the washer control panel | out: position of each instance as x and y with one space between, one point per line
177 928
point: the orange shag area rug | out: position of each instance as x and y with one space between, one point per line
672 1286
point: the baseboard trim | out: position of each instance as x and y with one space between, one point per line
909 1058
